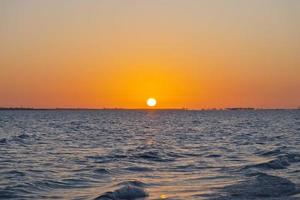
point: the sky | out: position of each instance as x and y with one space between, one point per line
117 53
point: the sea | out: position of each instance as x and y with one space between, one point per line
150 154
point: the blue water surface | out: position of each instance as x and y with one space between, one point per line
179 154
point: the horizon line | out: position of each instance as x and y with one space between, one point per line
120 108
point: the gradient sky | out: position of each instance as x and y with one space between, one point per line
117 53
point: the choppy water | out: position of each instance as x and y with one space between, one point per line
168 154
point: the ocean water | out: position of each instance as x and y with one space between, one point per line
105 154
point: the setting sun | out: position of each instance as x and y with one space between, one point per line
151 102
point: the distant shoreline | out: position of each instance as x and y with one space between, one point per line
153 109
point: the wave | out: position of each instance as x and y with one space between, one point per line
22 136
138 169
102 171
271 152
135 183
151 156
18 191
106 158
13 173
6 194
18 139
281 162
3 141
261 185
131 191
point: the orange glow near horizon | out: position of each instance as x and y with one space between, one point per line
116 54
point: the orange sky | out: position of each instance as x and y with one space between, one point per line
117 53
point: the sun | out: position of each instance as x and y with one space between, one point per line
151 102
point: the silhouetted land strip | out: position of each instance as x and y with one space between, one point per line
240 108
149 109
24 108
